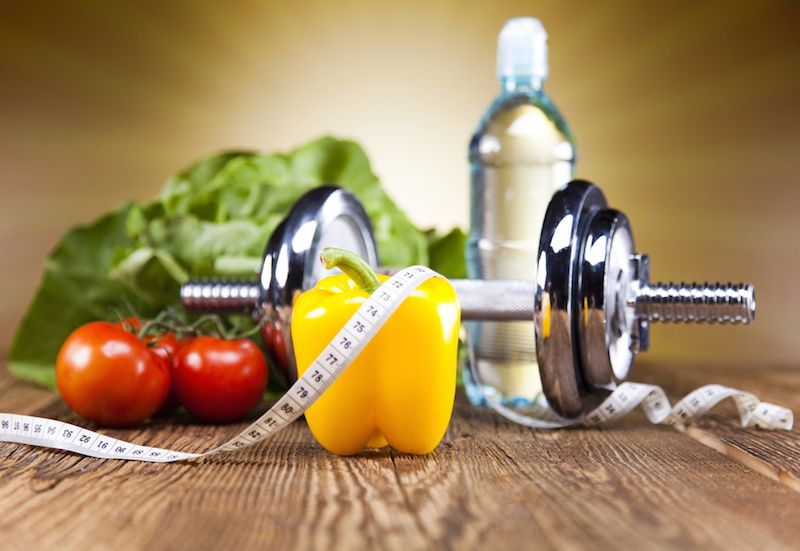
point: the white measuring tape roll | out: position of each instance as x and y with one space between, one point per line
340 353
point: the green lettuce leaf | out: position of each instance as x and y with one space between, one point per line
446 253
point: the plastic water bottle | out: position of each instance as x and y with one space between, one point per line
521 153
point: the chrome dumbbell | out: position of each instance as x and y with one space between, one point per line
591 303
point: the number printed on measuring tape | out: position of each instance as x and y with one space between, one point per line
345 347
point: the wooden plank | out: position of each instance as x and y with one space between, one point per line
490 483
774 454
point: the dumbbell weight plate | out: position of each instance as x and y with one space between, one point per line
565 226
605 319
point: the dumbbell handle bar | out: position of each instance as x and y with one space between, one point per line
498 300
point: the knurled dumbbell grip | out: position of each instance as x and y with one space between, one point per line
696 302
223 296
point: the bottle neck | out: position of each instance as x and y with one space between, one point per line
512 84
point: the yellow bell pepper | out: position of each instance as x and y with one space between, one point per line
400 389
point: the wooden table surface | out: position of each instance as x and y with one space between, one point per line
632 485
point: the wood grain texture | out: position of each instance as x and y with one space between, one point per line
490 483
773 454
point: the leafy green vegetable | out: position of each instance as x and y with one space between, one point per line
212 219
446 253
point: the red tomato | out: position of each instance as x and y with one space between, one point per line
165 345
219 380
108 376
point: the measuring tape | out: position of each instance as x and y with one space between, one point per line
359 330
626 396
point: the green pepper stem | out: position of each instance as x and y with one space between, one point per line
353 265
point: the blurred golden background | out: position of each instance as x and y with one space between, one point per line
686 113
